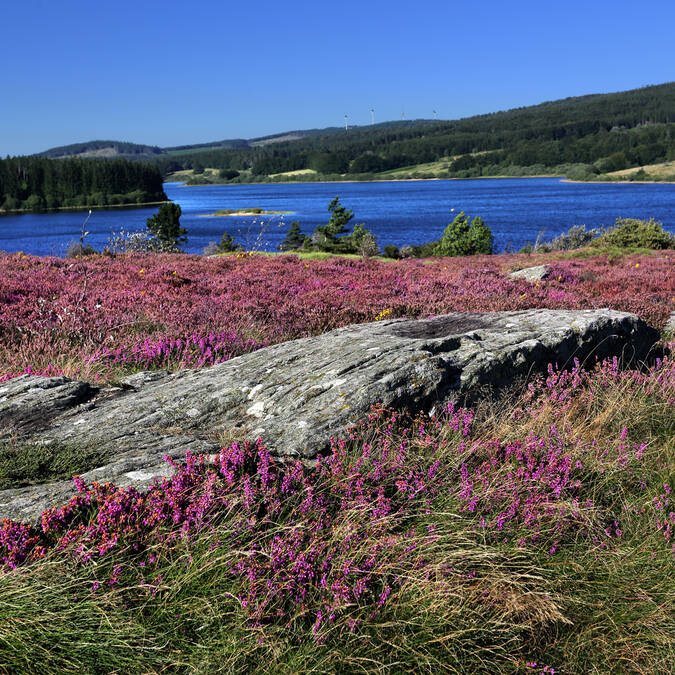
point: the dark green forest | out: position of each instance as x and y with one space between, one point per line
36 183
581 136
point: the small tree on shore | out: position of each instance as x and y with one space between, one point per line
165 227
294 238
326 236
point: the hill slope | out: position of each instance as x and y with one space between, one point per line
580 136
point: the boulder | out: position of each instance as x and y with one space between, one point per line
299 394
533 274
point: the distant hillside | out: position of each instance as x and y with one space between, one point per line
583 137
101 149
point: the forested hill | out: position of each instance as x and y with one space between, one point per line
582 137
101 149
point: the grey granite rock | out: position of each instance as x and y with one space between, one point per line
669 328
298 394
532 274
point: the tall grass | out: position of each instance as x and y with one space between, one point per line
531 534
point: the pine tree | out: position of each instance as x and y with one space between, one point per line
294 238
165 227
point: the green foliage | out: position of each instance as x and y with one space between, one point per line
576 237
76 249
392 251
363 242
35 183
635 233
326 237
464 238
225 245
165 226
22 465
228 174
294 238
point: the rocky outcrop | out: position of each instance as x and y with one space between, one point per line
298 394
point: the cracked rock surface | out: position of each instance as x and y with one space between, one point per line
298 394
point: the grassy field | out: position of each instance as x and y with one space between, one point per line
532 534
664 170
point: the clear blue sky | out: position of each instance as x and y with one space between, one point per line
168 73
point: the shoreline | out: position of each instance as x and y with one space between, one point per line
620 182
99 207
563 179
380 180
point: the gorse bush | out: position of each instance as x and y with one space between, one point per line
635 233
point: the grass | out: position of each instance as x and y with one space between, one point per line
24 464
586 586
660 171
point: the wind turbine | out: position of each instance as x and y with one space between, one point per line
434 114
346 120
402 114
372 115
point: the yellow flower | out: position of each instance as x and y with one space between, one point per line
383 314
142 270
637 265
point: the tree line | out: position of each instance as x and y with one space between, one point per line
36 183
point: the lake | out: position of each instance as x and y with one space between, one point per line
517 210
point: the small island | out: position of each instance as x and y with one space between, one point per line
256 211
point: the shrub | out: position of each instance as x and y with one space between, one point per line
228 174
367 245
225 245
392 251
294 238
635 233
132 242
77 249
576 237
464 238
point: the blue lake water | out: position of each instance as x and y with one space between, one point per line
516 210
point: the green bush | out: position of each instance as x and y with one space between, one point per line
225 245
464 238
392 251
165 227
294 238
228 174
635 233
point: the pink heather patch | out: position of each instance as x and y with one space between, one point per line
101 315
